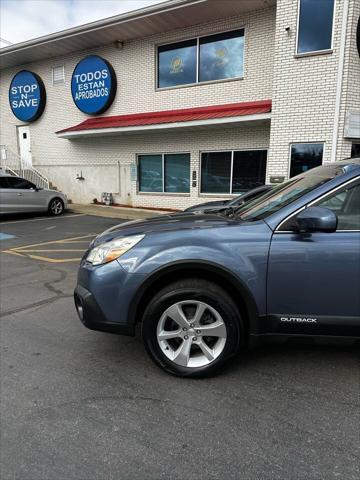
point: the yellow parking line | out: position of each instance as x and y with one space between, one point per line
28 250
54 260
64 240
13 252
78 241
64 250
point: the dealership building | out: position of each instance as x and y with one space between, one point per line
184 101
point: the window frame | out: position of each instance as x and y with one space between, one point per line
314 52
63 75
323 143
197 38
313 202
182 194
229 195
33 186
353 148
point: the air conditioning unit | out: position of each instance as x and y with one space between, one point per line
352 124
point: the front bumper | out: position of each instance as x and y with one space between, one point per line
92 316
104 298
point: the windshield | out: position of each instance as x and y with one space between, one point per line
287 192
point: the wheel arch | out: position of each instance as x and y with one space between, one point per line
198 269
54 197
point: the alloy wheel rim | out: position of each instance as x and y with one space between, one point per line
56 207
191 334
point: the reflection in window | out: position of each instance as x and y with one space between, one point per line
20 183
355 150
315 25
177 173
150 173
305 156
177 64
215 172
346 205
221 56
247 169
215 57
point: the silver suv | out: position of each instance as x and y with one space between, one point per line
18 195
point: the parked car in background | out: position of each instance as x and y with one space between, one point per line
204 286
18 195
234 202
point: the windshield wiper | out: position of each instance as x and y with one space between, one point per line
229 211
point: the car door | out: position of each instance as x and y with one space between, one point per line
23 196
314 279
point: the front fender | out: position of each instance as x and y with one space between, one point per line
241 251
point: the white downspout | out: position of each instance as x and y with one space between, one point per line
339 80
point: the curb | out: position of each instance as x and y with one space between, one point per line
116 212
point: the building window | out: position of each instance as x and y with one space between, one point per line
164 173
177 64
315 25
305 156
232 172
355 150
221 56
215 57
58 74
249 170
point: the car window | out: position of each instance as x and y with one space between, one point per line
287 192
346 205
20 183
3 182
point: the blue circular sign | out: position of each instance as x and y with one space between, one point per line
93 85
27 96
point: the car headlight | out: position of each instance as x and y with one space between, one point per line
109 251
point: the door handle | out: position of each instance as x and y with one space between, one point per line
19 194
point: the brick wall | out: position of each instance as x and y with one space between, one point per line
350 97
304 93
135 66
303 90
135 69
102 173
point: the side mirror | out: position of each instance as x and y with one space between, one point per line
315 219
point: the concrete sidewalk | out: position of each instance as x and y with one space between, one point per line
115 212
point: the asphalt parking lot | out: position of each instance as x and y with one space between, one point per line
77 404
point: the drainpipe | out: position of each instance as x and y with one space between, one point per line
339 80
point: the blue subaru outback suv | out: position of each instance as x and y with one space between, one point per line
204 286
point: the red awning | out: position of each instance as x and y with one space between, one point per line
182 116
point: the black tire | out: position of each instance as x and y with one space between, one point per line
200 290
56 207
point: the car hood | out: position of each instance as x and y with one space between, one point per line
207 205
57 192
164 223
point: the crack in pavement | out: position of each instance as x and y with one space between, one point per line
34 305
48 285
